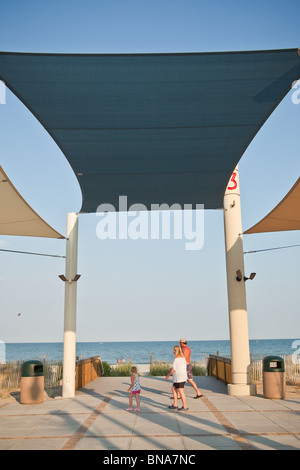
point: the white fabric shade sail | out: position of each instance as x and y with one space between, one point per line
285 216
16 215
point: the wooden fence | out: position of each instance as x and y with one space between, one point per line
220 368
87 370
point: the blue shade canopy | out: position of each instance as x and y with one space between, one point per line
157 128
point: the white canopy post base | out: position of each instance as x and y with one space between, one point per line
238 322
69 359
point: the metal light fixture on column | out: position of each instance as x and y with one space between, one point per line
240 277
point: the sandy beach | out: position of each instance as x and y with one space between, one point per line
143 369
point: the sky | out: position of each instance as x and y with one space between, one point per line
146 290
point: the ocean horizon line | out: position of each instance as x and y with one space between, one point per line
140 351
143 341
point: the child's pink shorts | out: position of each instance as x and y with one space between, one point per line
134 392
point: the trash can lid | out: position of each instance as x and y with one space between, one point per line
273 364
32 368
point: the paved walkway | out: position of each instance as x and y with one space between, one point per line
97 419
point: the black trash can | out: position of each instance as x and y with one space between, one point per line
32 382
274 377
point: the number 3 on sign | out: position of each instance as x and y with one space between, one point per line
233 181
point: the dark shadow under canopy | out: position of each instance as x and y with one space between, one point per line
158 128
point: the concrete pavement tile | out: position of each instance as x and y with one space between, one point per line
117 405
6 444
228 403
103 443
290 403
80 407
41 408
156 443
39 444
58 425
13 409
200 423
89 400
288 420
154 403
148 406
154 423
259 403
113 424
44 408
210 443
195 405
21 426
209 385
252 422
270 442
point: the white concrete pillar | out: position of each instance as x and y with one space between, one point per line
69 357
239 339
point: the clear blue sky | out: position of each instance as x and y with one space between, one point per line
146 290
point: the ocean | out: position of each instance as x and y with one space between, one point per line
139 352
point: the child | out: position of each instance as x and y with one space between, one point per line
134 389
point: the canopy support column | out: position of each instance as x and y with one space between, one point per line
239 339
69 356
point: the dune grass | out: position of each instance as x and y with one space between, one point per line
157 368
160 368
121 370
